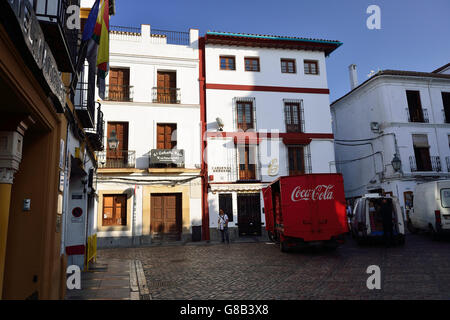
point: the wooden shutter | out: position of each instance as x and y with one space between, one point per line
121 154
296 160
167 84
165 132
246 167
119 81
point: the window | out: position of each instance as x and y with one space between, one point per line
226 204
119 84
422 152
446 104
167 87
251 64
114 210
311 67
293 117
245 115
166 136
227 63
288 66
117 158
416 114
445 198
247 162
296 160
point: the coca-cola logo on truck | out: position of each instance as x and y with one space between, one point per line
320 192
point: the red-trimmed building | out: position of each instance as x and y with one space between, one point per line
265 113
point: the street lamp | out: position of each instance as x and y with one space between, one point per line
396 163
113 142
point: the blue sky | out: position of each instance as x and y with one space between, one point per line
414 34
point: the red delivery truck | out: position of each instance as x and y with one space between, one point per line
306 209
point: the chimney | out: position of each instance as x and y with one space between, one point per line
353 76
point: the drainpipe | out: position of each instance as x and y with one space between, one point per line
66 191
204 165
435 129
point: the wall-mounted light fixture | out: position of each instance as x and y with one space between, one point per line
396 163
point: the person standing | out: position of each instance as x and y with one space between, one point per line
223 226
386 214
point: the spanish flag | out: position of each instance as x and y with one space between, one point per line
101 37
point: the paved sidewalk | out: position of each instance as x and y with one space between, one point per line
111 279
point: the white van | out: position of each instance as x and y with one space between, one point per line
431 208
366 221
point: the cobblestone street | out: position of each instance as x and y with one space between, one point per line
419 270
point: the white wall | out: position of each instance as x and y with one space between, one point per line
142 122
270 65
383 100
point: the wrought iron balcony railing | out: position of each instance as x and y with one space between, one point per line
116 159
119 93
419 116
173 37
95 135
84 109
434 164
166 95
53 15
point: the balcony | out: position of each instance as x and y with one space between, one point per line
434 165
123 93
85 110
166 95
116 159
166 158
52 15
95 135
420 115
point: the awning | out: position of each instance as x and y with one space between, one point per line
241 187
420 141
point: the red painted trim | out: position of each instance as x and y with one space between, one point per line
73 250
256 137
219 86
204 167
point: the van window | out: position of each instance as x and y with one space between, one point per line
445 198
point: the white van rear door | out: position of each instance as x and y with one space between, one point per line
444 199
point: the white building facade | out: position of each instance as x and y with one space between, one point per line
266 115
393 116
148 178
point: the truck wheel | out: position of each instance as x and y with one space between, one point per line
271 236
434 234
284 246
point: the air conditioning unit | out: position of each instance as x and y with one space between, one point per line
375 127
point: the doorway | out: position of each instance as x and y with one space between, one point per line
249 214
166 216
